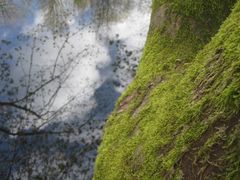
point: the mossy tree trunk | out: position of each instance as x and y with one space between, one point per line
180 118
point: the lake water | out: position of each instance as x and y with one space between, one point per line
63 64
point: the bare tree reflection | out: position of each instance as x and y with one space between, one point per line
28 107
40 139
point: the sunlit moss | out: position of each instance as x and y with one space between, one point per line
185 98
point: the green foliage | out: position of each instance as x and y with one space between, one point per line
185 100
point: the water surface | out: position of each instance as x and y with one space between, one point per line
68 61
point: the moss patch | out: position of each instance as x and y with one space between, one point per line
160 128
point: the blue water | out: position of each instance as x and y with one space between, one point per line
89 51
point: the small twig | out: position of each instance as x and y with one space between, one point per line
12 162
31 133
21 108
58 55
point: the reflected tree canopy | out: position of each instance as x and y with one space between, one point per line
107 10
57 12
9 11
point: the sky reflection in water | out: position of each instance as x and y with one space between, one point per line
103 40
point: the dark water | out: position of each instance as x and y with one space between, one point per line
63 64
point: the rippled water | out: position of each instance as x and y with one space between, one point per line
67 61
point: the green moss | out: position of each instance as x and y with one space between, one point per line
184 100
